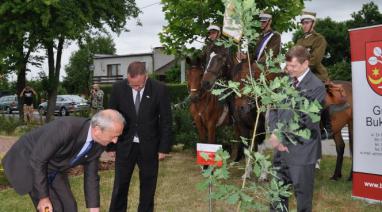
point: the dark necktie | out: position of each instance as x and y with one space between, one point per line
137 101
295 82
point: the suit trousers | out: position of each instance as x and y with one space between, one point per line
302 179
60 195
124 167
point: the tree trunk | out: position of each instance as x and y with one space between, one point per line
21 80
20 85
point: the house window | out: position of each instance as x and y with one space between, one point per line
113 69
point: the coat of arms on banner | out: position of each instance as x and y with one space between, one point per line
374 66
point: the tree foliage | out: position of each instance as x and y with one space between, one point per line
278 94
78 79
337 59
188 20
53 23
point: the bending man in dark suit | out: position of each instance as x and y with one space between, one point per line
296 162
145 104
38 162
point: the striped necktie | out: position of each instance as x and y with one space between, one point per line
137 101
295 82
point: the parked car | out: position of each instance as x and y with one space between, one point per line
9 103
66 104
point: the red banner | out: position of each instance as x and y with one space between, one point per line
366 62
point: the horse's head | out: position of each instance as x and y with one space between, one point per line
194 77
215 68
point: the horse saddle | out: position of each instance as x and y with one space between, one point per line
336 94
336 98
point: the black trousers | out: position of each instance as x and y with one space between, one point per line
60 195
302 179
124 167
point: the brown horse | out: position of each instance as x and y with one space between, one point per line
245 109
205 108
340 101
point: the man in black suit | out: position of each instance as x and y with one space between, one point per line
145 104
37 163
296 162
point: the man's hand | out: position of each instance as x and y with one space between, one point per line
43 204
94 209
276 144
162 156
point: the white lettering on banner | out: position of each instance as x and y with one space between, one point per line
373 185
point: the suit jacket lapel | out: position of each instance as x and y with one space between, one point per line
145 97
305 81
81 139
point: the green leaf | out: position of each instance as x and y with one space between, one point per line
205 156
233 198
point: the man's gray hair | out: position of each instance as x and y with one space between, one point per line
106 118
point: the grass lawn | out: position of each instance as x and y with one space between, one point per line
176 190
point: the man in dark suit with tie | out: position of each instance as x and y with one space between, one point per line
296 161
146 139
38 162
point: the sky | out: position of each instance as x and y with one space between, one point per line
141 39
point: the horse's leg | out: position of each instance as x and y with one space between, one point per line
211 131
340 147
201 128
350 125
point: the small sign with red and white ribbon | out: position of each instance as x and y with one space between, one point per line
205 154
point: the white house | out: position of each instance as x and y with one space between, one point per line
110 68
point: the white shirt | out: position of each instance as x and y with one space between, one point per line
87 142
300 78
135 92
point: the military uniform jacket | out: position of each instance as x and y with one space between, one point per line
273 44
316 45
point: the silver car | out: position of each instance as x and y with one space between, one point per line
66 104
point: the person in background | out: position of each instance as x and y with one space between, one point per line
27 95
268 40
146 139
96 99
316 44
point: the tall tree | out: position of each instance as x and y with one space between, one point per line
369 15
56 22
188 20
78 79
18 42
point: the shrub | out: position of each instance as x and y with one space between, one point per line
184 130
340 71
178 92
9 124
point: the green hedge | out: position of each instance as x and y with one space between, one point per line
178 92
